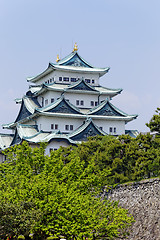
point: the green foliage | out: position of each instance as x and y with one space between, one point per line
58 194
121 159
154 123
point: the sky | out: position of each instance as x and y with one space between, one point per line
121 34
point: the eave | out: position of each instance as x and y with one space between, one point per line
5 140
99 71
84 116
41 75
98 90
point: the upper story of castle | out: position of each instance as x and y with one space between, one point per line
68 70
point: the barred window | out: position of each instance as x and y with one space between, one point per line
87 80
110 129
66 79
66 127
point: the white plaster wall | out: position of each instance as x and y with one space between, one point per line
87 98
46 78
72 97
57 73
44 123
48 95
120 126
91 76
55 144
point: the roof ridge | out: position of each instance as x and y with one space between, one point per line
69 57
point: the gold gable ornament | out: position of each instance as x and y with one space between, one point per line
75 47
58 59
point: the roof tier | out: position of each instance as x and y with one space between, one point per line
76 87
31 134
72 63
61 108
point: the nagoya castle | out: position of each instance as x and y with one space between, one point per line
65 104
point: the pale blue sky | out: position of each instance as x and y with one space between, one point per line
121 34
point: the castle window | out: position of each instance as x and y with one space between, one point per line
87 80
96 103
73 79
60 78
101 128
92 103
52 100
92 80
54 126
50 150
66 79
46 102
77 102
66 127
82 102
115 130
110 130
71 127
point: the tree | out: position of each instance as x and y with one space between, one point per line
154 123
56 196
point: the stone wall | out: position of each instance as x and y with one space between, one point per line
142 199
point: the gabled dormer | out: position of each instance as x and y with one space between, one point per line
60 106
87 129
28 106
81 85
107 109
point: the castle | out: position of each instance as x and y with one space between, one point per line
65 104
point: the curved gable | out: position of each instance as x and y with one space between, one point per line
82 85
62 106
16 139
106 109
82 134
76 61
23 113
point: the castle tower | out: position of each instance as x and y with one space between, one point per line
64 105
